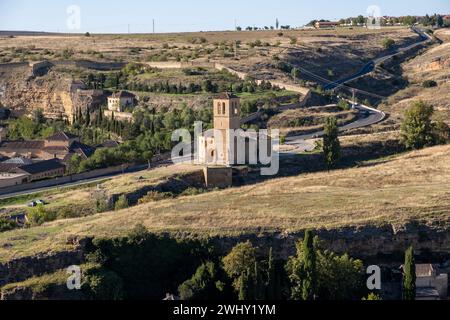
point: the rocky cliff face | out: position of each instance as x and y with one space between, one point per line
56 94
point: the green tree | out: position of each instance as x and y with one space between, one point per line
121 203
388 43
337 277
204 284
39 215
302 270
241 260
271 277
417 128
295 74
441 132
372 297
440 21
74 163
331 144
244 285
7 225
309 288
409 275
101 284
343 104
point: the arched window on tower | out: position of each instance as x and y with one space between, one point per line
218 108
223 108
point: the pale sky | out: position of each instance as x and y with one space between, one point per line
103 16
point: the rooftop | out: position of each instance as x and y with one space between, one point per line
19 161
42 166
22 145
226 96
122 94
424 270
62 136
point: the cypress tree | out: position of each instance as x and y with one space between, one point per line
331 144
244 293
310 282
271 285
409 275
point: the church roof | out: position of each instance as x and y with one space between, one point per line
62 136
226 96
123 94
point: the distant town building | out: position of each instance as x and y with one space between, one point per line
326 25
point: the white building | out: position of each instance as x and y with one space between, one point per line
120 100
430 285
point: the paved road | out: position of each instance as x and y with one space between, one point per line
367 117
370 66
84 182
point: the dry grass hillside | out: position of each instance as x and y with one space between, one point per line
434 65
395 190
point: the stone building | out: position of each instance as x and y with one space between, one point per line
61 145
41 170
118 104
121 100
215 149
429 284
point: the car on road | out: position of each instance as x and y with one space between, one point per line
36 203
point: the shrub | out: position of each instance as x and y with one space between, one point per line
429 84
417 128
121 203
203 285
7 225
344 105
40 215
154 196
388 43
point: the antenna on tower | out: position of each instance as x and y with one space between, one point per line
153 25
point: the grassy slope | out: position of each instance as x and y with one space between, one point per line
396 190
432 65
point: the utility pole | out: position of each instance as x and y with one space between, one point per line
354 97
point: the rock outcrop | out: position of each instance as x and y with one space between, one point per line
25 88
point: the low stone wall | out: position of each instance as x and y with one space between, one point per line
63 180
218 177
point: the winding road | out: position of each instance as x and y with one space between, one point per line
370 66
368 116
